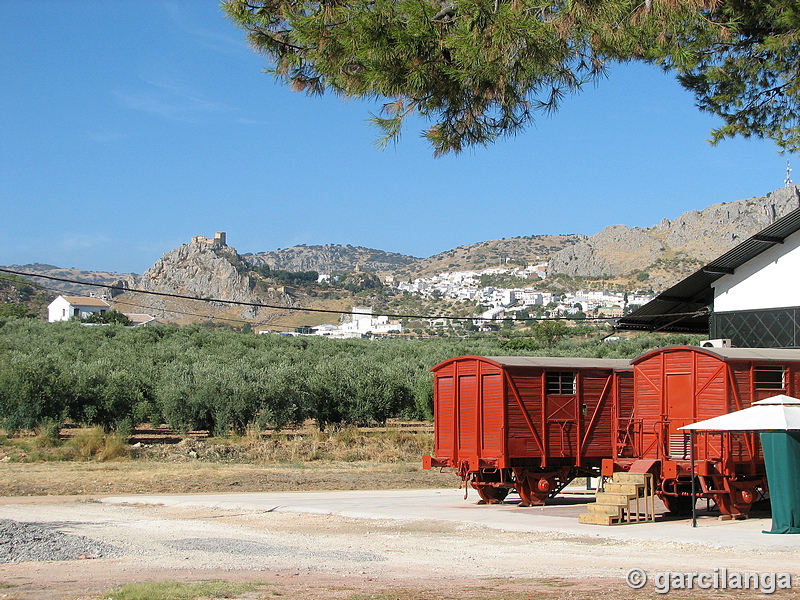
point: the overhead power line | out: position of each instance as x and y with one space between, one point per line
138 305
121 289
231 302
174 311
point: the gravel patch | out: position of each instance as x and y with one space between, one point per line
21 542
234 546
230 546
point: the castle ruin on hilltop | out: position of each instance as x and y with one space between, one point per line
218 241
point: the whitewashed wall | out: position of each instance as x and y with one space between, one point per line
770 280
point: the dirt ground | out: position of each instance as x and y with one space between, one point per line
308 556
316 557
169 462
323 556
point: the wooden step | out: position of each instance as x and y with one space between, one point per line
621 501
622 477
606 509
631 489
595 519
618 499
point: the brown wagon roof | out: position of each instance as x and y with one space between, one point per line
756 353
561 361
727 354
556 362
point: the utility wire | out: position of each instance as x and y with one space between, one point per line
196 314
121 289
139 305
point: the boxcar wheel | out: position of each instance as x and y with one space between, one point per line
490 494
530 492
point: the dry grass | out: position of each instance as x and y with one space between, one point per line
396 442
348 444
89 461
183 590
47 444
95 444
150 477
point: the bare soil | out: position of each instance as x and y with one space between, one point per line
425 560
416 560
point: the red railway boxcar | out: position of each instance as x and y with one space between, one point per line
680 385
531 424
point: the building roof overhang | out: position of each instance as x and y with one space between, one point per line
684 308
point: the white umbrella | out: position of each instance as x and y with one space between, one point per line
778 413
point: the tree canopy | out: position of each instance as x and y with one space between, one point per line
482 69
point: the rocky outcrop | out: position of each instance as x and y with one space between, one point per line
331 258
708 233
608 253
200 270
207 271
699 234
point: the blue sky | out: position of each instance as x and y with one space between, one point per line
126 128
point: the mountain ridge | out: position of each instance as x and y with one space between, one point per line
659 255
673 248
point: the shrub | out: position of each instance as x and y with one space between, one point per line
193 378
96 444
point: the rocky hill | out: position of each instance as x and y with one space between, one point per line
208 268
522 251
203 269
334 258
62 287
17 292
673 248
198 269
331 258
664 253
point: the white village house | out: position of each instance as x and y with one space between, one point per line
64 308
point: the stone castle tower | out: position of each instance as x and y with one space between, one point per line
218 241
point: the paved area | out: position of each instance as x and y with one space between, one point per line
329 545
450 506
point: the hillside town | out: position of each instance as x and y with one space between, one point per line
504 302
498 303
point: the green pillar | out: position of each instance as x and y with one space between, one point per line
782 460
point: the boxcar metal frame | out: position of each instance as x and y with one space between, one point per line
680 385
531 424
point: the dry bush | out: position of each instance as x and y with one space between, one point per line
96 444
346 444
391 444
